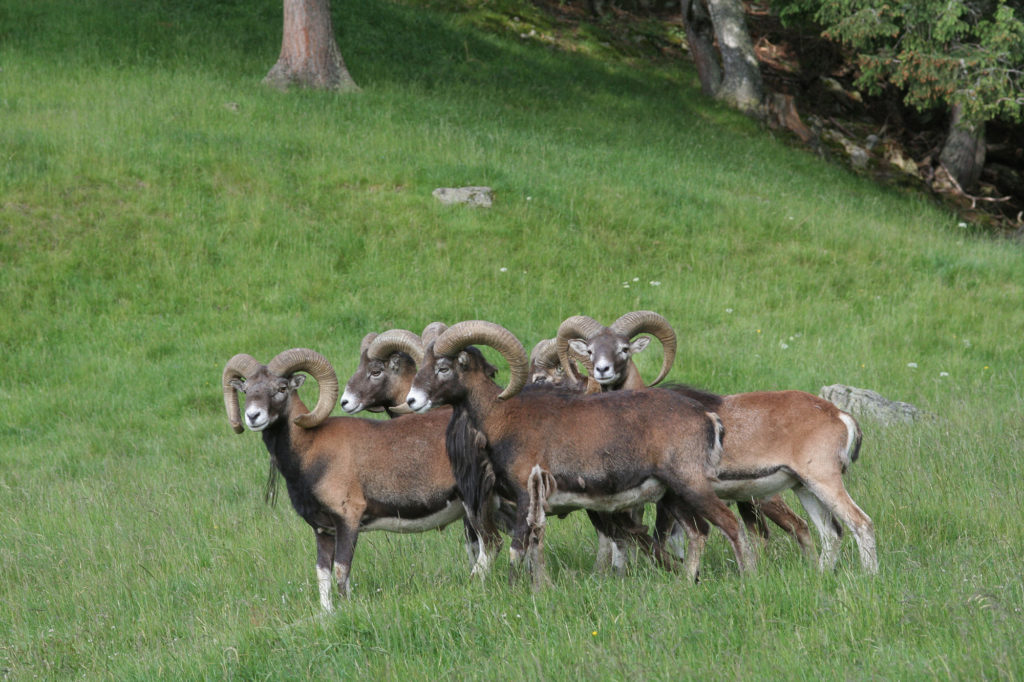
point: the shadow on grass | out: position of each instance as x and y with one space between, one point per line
382 43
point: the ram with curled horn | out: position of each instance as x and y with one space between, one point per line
382 379
778 440
605 452
387 365
344 475
609 350
583 340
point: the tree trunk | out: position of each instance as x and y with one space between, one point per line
741 86
700 36
309 53
963 154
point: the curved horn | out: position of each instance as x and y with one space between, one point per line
394 341
649 322
238 367
365 343
463 334
582 359
431 332
575 327
305 360
545 353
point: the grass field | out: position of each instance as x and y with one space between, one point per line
161 210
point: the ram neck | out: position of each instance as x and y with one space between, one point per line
277 438
482 409
286 441
480 401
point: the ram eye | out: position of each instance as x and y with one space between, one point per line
376 373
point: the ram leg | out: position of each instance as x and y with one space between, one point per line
610 555
344 550
672 522
520 540
539 484
788 520
753 519
482 540
828 529
838 504
702 501
325 542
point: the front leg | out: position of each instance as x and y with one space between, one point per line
325 543
520 538
344 549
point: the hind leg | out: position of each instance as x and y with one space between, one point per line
672 522
753 519
828 531
785 518
606 549
702 500
839 503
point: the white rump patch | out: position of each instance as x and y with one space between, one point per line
851 435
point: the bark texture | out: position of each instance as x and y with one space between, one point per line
309 53
742 86
963 154
700 35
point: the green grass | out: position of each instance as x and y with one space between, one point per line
160 211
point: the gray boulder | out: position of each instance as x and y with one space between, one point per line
860 402
473 196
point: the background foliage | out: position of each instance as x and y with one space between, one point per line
938 54
161 211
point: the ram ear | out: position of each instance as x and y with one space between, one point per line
579 345
238 385
638 344
394 362
296 380
463 359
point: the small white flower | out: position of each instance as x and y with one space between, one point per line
783 345
967 343
943 374
529 198
636 279
625 285
912 365
729 310
502 269
655 283
962 225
